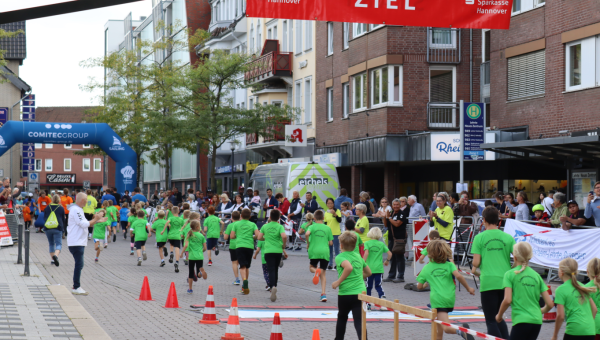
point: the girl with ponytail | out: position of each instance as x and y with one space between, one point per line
522 289
573 301
195 244
593 270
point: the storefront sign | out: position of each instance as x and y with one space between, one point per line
583 183
3 115
474 131
227 169
60 178
295 135
446 146
251 166
430 13
333 158
293 160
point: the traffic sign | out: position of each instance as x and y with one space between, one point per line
33 177
474 131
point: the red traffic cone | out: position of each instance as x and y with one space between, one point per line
210 316
172 297
316 335
551 315
232 332
276 329
145 294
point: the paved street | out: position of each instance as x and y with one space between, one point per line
114 285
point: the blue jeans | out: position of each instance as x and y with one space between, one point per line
335 248
375 280
54 239
77 252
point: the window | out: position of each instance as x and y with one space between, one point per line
38 165
250 103
442 38
243 105
346 33
277 103
309 36
252 42
442 84
67 164
269 33
527 75
358 30
97 164
329 38
258 38
330 104
375 26
360 91
346 99
307 100
86 164
68 146
86 146
284 44
49 146
486 45
38 146
582 63
386 86
48 165
520 6
272 32
298 36
298 99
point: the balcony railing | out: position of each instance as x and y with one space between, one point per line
251 138
276 133
270 64
442 115
443 45
485 82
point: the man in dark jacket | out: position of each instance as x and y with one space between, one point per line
311 205
271 202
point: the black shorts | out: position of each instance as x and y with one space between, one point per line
139 244
445 310
88 217
124 225
233 255
161 244
191 270
175 243
244 256
211 243
322 263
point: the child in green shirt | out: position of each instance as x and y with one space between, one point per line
259 246
138 231
433 235
195 243
374 250
131 217
174 225
274 237
157 227
100 229
318 240
235 217
212 228
186 223
593 270
350 225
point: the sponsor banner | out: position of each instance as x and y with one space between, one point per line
551 245
5 236
60 178
3 115
426 13
446 146
295 135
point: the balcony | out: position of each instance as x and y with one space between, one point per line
443 45
442 115
276 132
485 82
272 146
271 65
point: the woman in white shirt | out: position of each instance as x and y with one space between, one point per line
384 207
239 205
191 200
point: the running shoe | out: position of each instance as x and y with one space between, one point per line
114 237
267 288
162 263
105 245
298 248
245 291
79 291
368 307
144 256
317 276
186 262
236 282
195 277
129 253
323 298
210 262
124 235
467 336
189 291
165 252
96 260
89 236
329 268
176 268
171 258
383 297
55 258
273 294
139 261
281 262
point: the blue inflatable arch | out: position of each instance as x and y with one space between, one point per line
76 133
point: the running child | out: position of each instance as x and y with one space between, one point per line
433 235
244 232
438 274
522 289
573 302
132 217
212 228
352 271
235 217
139 231
186 223
310 219
259 246
194 216
174 224
195 244
161 239
350 227
123 213
318 240
113 216
99 232
593 271
374 250
274 237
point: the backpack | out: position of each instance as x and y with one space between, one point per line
52 221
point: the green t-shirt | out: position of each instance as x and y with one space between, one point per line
318 247
261 245
424 252
186 229
131 219
100 230
354 284
376 250
213 227
526 289
439 276
139 230
244 232
495 247
273 241
186 224
578 315
159 226
304 227
359 241
362 223
175 228
596 298
112 209
196 246
232 242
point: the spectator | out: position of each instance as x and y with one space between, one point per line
191 200
116 194
270 202
332 219
404 205
311 205
576 217
65 201
54 233
522 209
342 198
284 204
547 203
453 199
384 208
396 222
366 200
155 196
433 205
560 209
373 201
467 208
137 195
225 205
248 196
442 218
500 203
177 195
108 196
542 196
509 200
416 209
592 210
295 209
540 215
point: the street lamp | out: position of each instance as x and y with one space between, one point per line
232 150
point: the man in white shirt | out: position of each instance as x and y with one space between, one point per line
77 238
547 203
416 209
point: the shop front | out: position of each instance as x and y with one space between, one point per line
56 183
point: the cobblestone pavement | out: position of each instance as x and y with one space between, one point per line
114 284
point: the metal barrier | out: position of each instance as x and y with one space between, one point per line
27 237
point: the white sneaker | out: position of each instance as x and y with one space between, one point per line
79 291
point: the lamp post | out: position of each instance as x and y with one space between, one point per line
232 150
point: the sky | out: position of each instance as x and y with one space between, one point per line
56 45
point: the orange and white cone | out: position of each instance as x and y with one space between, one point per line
210 316
551 315
316 335
276 329
232 332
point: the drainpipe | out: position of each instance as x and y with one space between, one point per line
471 65
11 118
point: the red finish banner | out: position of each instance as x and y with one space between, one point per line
427 13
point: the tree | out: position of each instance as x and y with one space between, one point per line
4 36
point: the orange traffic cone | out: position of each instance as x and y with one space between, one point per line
276 329
551 315
172 297
145 294
210 316
232 332
316 335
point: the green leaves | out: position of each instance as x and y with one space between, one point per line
4 35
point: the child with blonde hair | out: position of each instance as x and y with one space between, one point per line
310 218
196 243
100 229
174 224
374 250
157 227
433 235
593 271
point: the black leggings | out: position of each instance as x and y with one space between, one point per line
192 263
273 260
347 303
525 331
579 337
490 303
